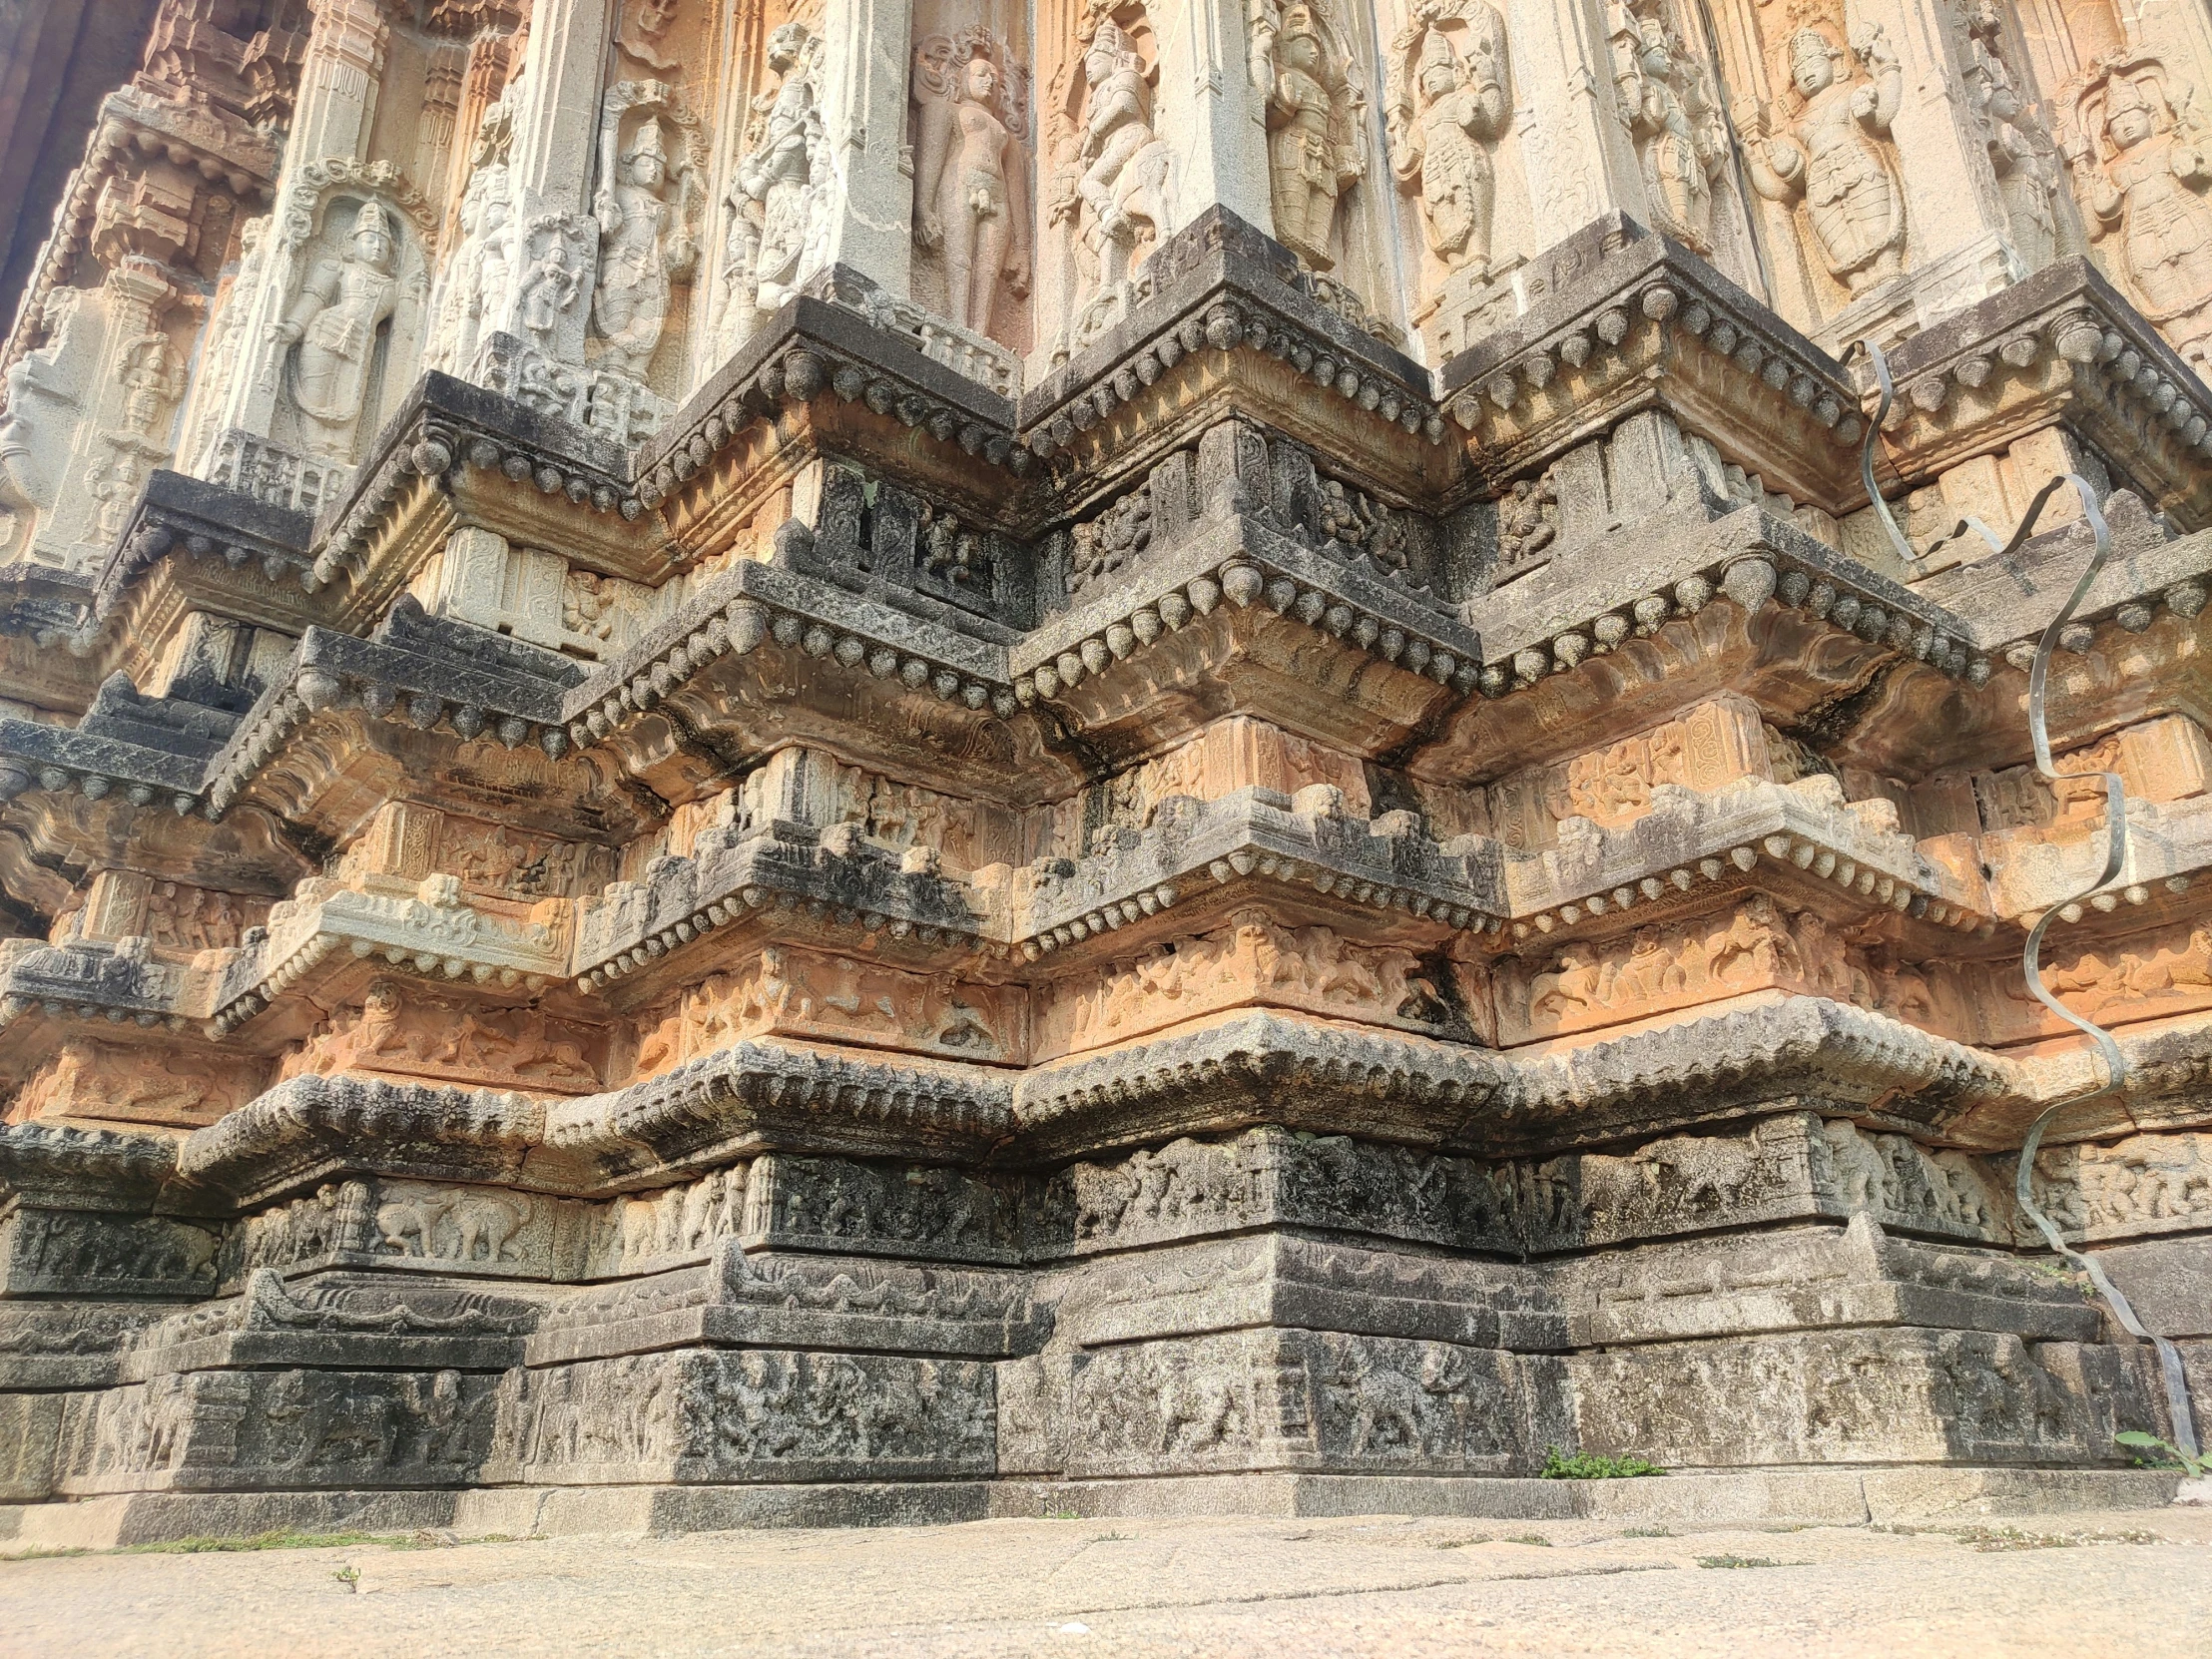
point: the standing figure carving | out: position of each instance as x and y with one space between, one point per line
1681 146
645 243
333 320
1124 184
778 200
474 287
2021 154
970 195
152 378
1317 148
1115 178
1443 125
219 354
2143 167
481 269
1835 165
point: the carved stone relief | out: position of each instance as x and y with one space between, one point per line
923 1211
2141 157
72 1253
2023 154
1758 947
643 36
1674 122
334 326
972 193
106 1081
791 991
1234 754
484 1230
1840 1397
1448 98
473 288
676 1224
1832 162
170 916
1297 1398
1114 177
1710 747
776 208
1253 962
90 413
2142 1186
417 1034
754 1414
1315 108
646 204
278 1429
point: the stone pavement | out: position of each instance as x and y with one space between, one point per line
2100 1584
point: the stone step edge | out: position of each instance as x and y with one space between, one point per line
1833 1497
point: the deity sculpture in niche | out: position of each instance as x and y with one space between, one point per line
1124 186
971 173
2020 152
1116 178
645 239
334 322
114 480
1316 134
1681 142
779 198
549 290
476 276
1443 120
1836 165
152 380
2143 164
219 350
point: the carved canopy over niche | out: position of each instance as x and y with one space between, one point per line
974 138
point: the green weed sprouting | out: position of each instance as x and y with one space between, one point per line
1584 1466
2172 1456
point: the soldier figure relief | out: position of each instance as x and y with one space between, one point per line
1836 164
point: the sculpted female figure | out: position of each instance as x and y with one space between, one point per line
970 206
1832 163
644 242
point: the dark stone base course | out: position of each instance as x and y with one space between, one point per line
1799 1317
1842 1498
714 1414
1883 1395
221 1431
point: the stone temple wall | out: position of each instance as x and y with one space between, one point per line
868 759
